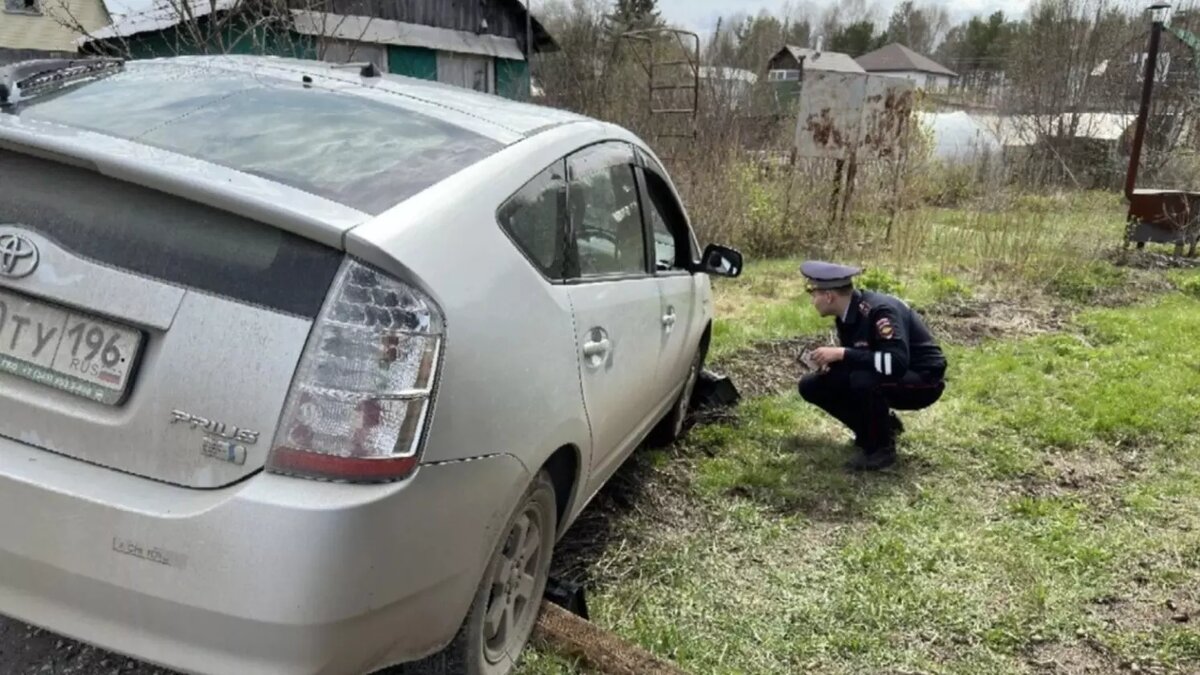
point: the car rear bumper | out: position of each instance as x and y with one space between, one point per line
275 575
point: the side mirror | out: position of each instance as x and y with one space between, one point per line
720 261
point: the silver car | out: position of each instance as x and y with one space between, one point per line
305 370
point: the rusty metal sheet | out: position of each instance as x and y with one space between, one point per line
830 113
887 109
844 114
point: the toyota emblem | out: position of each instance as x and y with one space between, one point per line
18 256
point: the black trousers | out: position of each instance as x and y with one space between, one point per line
862 399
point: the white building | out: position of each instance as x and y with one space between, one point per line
896 60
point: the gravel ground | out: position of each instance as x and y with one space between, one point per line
25 650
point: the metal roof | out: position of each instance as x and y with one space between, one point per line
131 17
385 32
835 62
897 57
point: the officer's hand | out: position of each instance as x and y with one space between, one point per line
826 356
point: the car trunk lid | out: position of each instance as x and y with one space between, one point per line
143 332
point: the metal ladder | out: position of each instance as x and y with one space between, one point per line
672 85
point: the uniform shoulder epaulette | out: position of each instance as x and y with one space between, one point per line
864 307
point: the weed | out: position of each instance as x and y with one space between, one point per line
945 288
878 279
1087 283
1188 283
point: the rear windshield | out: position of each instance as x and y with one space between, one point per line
356 151
160 236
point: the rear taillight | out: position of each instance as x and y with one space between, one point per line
361 396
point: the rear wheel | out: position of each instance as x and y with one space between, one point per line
508 599
671 427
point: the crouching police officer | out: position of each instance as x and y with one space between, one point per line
888 359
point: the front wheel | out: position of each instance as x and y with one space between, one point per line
670 428
509 597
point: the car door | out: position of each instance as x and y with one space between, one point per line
672 249
615 300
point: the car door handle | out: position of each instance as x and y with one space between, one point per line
597 348
668 319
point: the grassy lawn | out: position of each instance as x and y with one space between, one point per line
1045 517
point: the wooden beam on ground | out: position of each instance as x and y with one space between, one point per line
600 650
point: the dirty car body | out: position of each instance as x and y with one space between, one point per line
282 347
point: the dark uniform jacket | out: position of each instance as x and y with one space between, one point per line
883 334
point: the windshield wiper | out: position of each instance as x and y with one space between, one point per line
28 79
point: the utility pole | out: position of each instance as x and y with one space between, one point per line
1158 17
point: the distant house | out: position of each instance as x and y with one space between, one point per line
38 29
896 60
477 44
789 67
787 64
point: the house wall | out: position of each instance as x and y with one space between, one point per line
46 32
507 77
783 61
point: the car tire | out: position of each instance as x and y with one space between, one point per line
671 427
508 600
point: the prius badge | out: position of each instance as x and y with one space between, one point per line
221 442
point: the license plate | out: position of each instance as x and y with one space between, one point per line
66 349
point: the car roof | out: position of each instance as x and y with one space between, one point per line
484 110
502 122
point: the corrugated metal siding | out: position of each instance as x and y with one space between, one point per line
19 31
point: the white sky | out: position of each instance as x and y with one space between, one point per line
701 15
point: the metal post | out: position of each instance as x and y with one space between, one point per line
1139 134
529 46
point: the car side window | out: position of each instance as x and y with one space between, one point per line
669 230
606 218
534 219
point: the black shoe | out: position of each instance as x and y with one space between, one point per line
872 461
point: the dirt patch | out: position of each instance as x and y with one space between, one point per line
1141 610
1082 471
1076 658
25 650
973 321
1090 475
1150 260
639 503
768 368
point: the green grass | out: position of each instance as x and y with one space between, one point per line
1049 502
